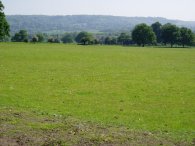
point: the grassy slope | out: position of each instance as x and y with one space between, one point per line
147 89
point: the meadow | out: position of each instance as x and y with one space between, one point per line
149 92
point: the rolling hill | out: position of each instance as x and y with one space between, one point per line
92 23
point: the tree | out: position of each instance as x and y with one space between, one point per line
96 41
110 41
21 36
87 40
142 34
170 34
57 40
186 36
124 39
4 26
50 40
40 37
84 38
193 43
53 40
35 39
68 39
156 27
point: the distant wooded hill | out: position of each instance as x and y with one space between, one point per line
90 23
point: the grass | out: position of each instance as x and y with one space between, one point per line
142 89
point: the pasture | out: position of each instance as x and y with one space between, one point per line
96 95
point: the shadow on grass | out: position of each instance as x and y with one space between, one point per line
168 47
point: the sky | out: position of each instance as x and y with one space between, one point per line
171 9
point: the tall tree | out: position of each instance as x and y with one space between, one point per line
186 36
170 34
157 30
143 34
4 26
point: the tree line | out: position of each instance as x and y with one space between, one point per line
142 34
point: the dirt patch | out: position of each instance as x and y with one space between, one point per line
21 128
5 141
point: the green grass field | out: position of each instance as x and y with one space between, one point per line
141 89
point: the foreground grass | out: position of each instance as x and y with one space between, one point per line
147 90
24 128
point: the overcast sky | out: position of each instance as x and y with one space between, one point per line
172 9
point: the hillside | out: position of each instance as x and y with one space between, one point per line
92 23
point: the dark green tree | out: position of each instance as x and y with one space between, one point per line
124 39
35 39
4 26
170 34
156 27
84 38
57 40
21 36
68 38
88 40
50 40
193 43
96 41
110 41
143 34
40 37
186 36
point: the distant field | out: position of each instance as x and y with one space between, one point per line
147 91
